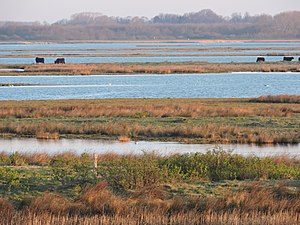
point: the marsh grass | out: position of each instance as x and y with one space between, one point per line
277 99
144 108
185 120
46 135
153 68
97 205
124 138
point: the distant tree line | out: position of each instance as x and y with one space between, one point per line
204 24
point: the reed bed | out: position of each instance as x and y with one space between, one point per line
153 68
192 218
182 133
257 205
277 99
142 108
186 120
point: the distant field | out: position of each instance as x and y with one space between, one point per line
269 120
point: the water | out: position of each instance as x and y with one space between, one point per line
25 53
79 146
146 86
141 59
150 45
226 85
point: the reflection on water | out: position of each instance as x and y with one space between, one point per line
79 146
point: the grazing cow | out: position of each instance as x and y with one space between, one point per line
260 59
39 60
60 61
288 58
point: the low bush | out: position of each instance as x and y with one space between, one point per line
218 165
72 170
129 173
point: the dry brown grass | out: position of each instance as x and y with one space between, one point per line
155 68
50 202
189 218
254 204
100 200
142 108
213 133
124 118
277 99
71 69
39 159
123 138
46 135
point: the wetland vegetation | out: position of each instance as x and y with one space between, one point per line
149 68
215 187
271 120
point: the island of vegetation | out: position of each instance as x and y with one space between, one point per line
147 68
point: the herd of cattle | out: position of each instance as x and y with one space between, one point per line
259 59
285 58
57 61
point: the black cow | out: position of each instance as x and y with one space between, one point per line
60 61
260 59
299 59
288 58
39 60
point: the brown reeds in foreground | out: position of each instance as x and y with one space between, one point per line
190 218
149 189
98 205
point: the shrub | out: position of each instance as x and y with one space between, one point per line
16 159
99 199
72 170
4 159
128 173
50 202
218 165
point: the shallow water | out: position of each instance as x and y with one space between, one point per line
180 48
79 146
226 85
141 59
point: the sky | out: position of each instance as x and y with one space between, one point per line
53 10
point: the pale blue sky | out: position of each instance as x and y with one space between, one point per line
53 10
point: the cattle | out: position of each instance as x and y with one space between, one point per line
260 59
39 60
299 59
60 61
288 58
